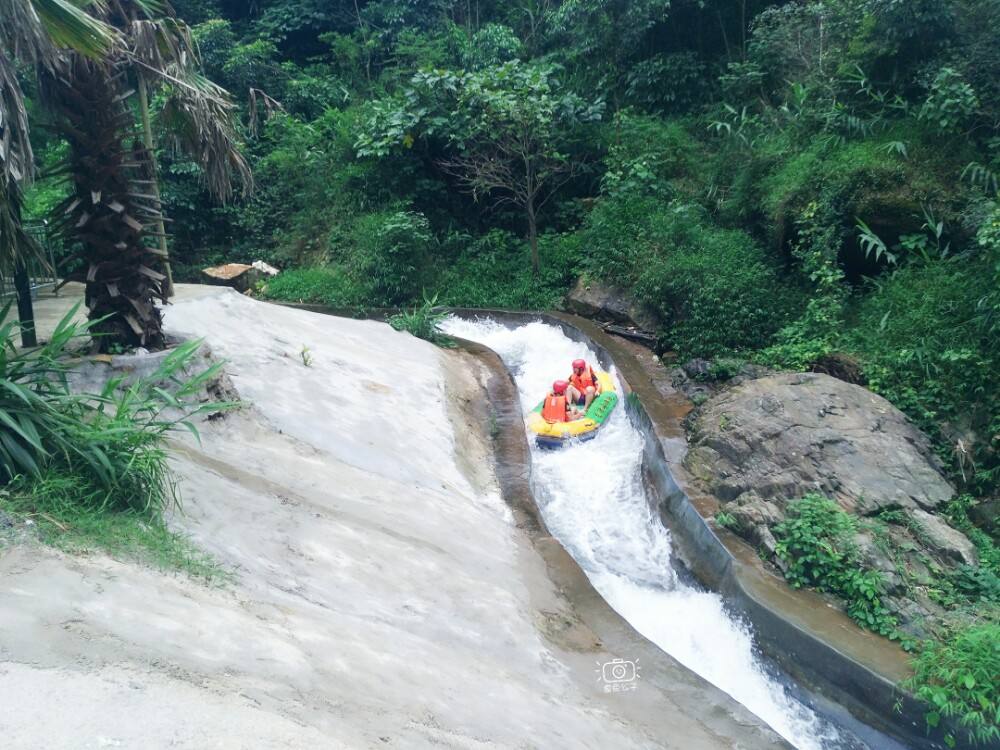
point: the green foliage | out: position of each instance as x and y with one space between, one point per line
726 520
667 83
112 441
714 288
391 251
917 338
958 679
329 286
66 510
818 332
423 322
951 102
495 271
493 44
815 542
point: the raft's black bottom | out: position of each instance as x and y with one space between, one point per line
550 443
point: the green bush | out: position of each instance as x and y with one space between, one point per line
715 289
916 336
391 251
815 542
112 441
495 271
423 321
327 285
958 679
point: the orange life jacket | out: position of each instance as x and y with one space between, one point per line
554 409
584 381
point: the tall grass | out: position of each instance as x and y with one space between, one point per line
422 321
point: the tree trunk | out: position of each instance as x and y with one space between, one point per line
109 214
25 311
533 237
147 139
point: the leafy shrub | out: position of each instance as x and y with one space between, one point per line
958 678
649 157
327 285
495 271
391 250
950 102
715 290
815 541
667 83
113 441
916 338
423 321
493 44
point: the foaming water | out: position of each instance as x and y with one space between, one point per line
592 498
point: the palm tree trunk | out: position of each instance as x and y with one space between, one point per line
147 139
108 215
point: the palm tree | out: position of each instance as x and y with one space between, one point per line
32 35
114 213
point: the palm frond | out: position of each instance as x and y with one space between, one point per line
16 158
200 119
68 25
15 243
198 115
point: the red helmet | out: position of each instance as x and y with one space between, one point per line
559 387
579 364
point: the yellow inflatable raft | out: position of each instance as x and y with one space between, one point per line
553 434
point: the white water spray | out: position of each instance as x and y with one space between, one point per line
593 501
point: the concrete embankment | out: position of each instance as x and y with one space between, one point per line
389 588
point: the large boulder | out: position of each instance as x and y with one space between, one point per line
765 442
783 436
609 304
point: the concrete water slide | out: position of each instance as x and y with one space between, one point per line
389 590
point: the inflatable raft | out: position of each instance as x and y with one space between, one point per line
554 434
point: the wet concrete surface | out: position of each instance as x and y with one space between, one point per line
386 592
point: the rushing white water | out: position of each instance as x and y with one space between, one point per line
592 498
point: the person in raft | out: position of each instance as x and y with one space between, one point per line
557 406
583 384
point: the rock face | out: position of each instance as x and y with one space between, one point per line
610 304
768 441
777 438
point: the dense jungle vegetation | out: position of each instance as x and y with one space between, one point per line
785 181
810 185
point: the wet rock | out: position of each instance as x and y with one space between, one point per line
787 435
610 304
950 542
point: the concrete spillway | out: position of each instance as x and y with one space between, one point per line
592 498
